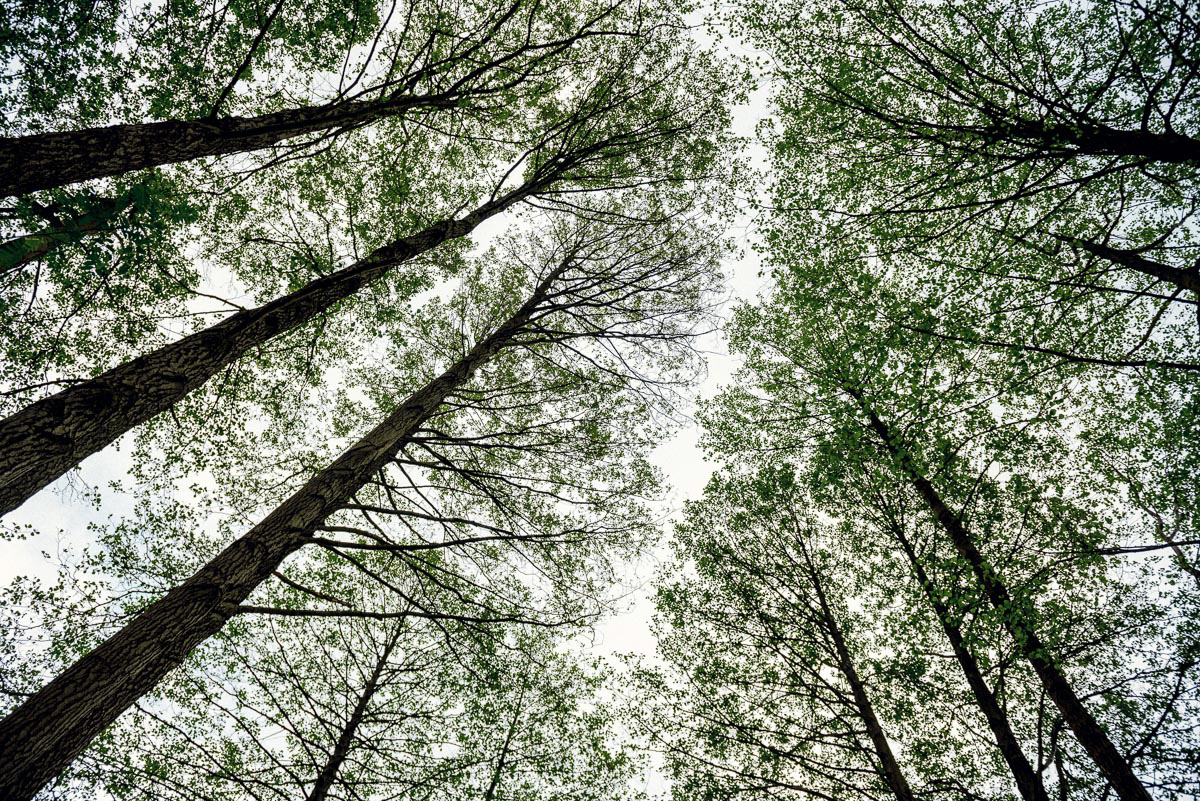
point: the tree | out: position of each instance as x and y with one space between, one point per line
635 282
104 294
1038 156
776 694
1022 623
98 214
91 281
86 65
605 140
468 59
957 425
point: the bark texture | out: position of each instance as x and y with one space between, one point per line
47 438
1021 623
44 161
42 736
1029 782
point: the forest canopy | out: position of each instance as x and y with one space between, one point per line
350 354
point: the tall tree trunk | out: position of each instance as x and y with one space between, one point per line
1021 623
46 160
337 757
892 774
1131 259
47 438
1029 782
1096 140
44 734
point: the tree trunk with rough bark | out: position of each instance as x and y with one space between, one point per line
44 734
51 436
1029 782
1021 623
44 161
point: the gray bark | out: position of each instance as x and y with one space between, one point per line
44 161
45 733
51 436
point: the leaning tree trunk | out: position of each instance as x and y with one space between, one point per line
1180 278
49 437
1029 781
341 749
892 774
44 734
1021 623
44 161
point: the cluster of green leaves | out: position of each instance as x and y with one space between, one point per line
506 515
981 246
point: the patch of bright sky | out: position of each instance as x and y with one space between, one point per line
681 458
